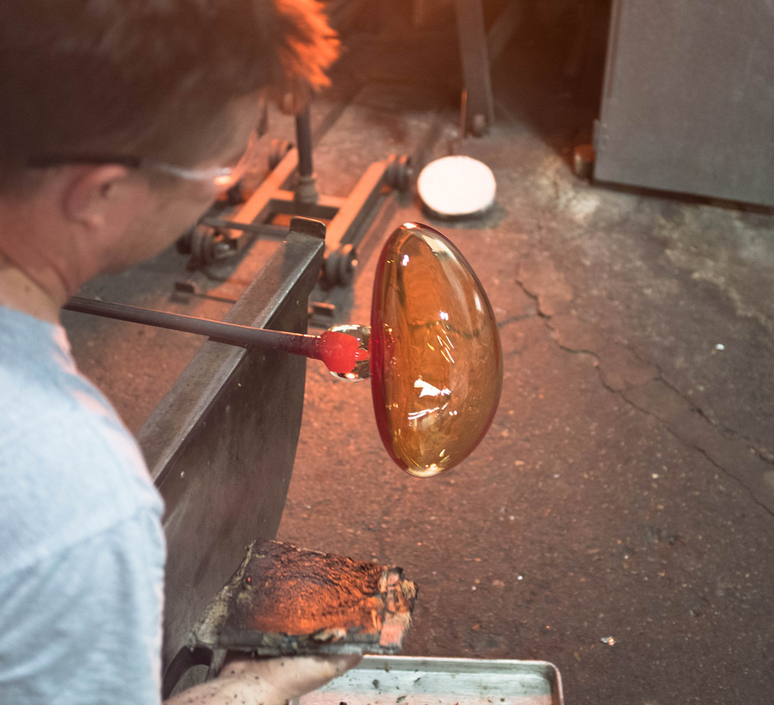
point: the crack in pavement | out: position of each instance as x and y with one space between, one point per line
516 319
643 386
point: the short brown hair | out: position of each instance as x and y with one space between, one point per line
144 77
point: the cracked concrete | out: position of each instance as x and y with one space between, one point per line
642 384
626 486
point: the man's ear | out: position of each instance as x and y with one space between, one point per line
97 196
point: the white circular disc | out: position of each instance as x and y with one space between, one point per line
457 185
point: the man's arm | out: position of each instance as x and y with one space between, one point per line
83 626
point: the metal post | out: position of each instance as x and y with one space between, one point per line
471 31
306 190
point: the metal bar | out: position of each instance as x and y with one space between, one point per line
304 143
256 205
221 224
471 31
259 228
343 228
228 333
332 202
293 207
284 195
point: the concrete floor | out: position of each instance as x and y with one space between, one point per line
626 487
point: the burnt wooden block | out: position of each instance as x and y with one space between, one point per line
285 600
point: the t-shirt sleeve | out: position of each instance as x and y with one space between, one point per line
84 625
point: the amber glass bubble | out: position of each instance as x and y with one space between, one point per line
436 359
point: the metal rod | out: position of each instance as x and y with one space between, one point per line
229 333
304 143
221 224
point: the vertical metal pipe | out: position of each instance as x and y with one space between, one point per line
304 143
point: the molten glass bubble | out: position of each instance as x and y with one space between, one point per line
436 359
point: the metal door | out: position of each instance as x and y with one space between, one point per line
688 101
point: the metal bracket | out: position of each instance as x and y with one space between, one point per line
218 238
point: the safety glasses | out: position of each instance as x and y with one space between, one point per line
222 178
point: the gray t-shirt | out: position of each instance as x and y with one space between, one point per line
81 546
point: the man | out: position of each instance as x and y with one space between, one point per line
117 118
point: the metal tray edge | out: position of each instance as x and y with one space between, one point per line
545 669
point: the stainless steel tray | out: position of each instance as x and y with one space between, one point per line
404 680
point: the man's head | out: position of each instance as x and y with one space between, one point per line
90 86
144 78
